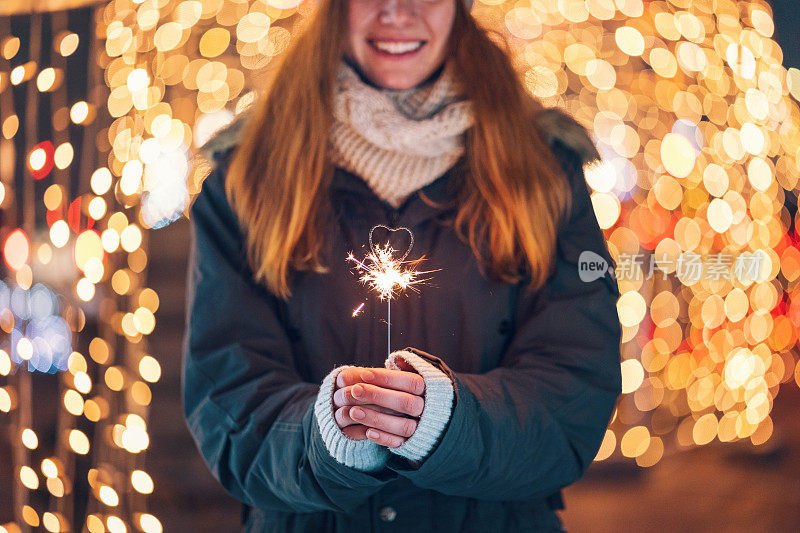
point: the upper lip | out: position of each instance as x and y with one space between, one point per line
396 39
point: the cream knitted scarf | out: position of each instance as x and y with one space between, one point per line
397 141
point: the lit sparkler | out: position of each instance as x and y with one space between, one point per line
388 275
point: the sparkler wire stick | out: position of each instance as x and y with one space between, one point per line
386 274
388 327
389 298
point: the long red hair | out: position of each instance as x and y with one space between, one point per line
513 197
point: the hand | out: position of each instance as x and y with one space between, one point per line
379 399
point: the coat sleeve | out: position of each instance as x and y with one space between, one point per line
249 412
532 426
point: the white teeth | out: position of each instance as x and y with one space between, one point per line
394 47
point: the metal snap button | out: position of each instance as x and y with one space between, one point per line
387 514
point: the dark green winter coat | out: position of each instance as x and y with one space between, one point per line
536 374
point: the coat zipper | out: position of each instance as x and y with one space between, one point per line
394 217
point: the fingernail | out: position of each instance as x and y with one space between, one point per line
356 391
371 433
357 412
366 375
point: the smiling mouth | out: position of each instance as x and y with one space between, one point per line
396 48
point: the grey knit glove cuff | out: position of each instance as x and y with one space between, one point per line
439 395
363 455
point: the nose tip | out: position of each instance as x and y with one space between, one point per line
394 8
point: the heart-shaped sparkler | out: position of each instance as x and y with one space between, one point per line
386 274
374 248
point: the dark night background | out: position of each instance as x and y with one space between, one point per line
787 30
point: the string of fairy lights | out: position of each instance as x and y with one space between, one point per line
687 99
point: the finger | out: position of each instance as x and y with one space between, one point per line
402 380
397 425
387 410
387 439
380 409
343 418
366 393
357 432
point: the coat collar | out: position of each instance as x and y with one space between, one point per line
352 194
554 123
559 129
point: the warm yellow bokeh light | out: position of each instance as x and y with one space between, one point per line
149 369
149 523
110 239
168 36
720 215
29 478
629 40
116 525
131 238
101 181
83 383
73 402
108 496
631 308
30 516
214 42
131 178
49 468
63 155
16 249
632 375
76 363
79 112
52 522
46 79
253 27
29 439
10 47
677 155
97 209
5 363
141 482
138 79
37 159
635 441
87 245
59 233
78 442
85 289
69 44
114 378
25 348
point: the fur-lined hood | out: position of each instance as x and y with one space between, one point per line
555 124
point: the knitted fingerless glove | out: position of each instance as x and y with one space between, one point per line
439 395
363 455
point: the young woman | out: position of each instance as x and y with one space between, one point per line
505 366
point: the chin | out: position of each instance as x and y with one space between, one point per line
396 84
397 80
